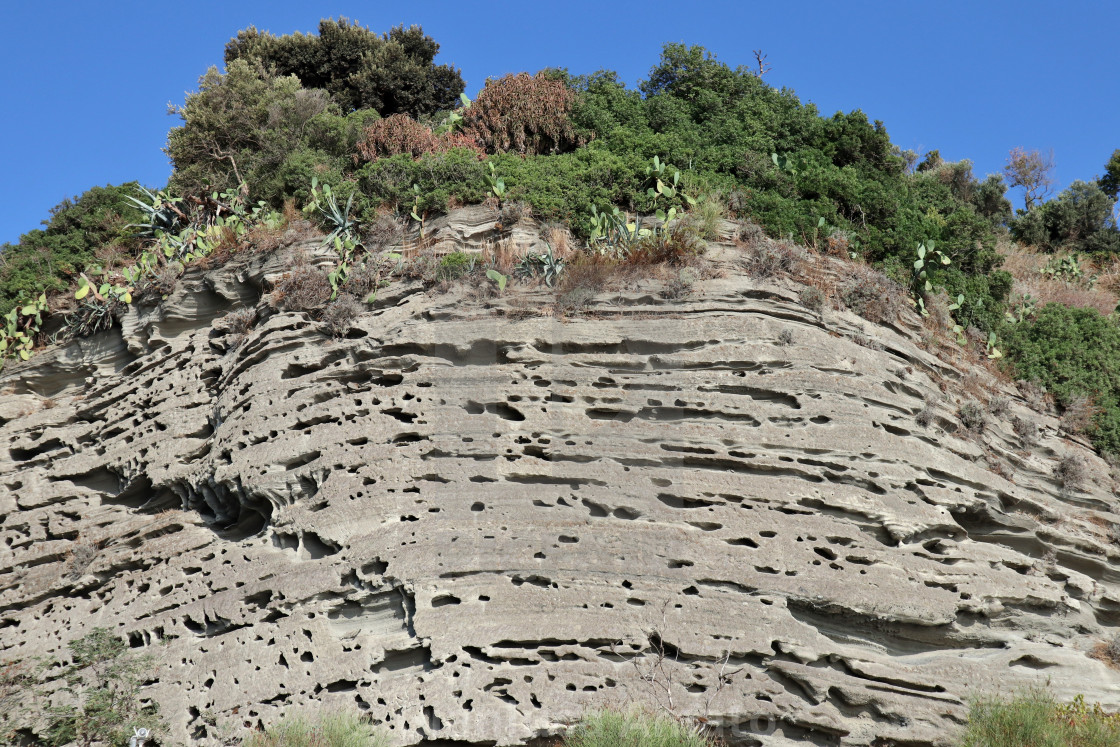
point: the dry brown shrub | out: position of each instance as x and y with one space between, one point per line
678 247
750 234
1072 472
304 288
528 114
261 238
387 230
239 322
776 259
873 295
557 236
340 314
503 254
400 133
1078 414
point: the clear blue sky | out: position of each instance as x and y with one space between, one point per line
85 85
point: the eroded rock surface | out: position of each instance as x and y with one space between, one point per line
476 526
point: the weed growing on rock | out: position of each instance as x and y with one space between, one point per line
999 405
861 338
873 295
751 234
340 314
387 230
302 289
781 259
1072 472
813 299
971 415
925 416
1026 429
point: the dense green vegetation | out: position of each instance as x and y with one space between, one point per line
373 116
1074 353
1035 719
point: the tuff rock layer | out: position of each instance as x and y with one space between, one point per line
474 523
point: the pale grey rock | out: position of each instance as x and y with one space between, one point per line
475 526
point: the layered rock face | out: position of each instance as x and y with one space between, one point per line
475 523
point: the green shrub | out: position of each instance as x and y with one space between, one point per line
1073 353
1080 219
455 265
51 257
1035 719
633 729
328 730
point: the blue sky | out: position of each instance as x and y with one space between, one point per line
84 86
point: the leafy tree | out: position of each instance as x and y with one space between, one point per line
104 682
390 73
1031 171
1110 182
1081 219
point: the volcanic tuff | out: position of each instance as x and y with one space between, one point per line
475 523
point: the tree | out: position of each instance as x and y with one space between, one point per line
1110 182
1031 171
391 73
104 683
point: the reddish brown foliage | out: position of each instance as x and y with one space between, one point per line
401 133
523 113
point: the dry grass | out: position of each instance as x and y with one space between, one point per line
504 254
339 316
559 238
1026 265
873 295
304 288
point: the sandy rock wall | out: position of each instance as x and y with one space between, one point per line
474 524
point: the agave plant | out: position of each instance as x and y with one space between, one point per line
324 201
163 216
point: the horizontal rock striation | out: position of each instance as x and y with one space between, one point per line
474 525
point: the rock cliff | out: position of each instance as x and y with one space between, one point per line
474 520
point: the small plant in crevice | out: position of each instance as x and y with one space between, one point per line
999 405
1072 472
680 285
927 414
339 315
813 299
971 416
1026 429
861 338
